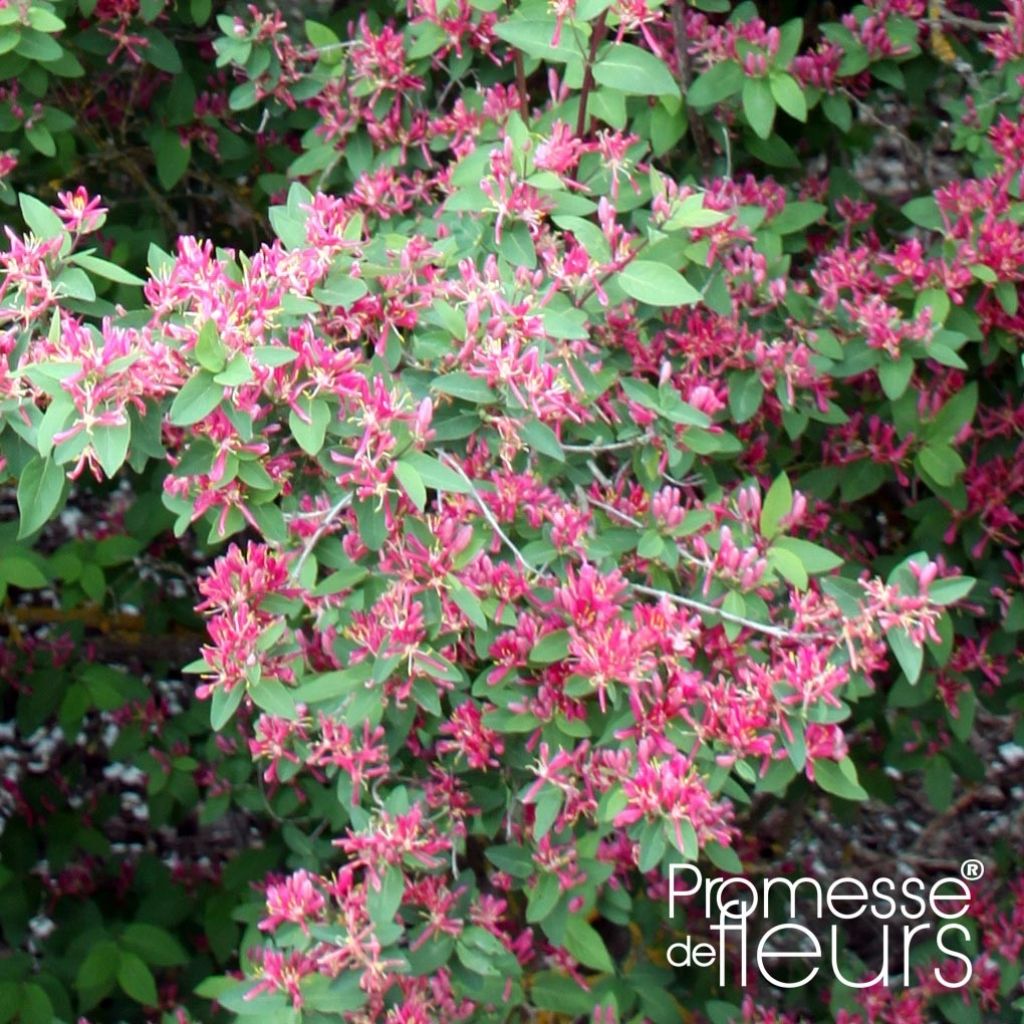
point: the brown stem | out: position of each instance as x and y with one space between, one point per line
697 130
524 100
600 28
604 277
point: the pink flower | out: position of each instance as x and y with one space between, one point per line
296 900
80 212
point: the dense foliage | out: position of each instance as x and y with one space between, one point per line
547 448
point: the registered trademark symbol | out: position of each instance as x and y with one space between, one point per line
972 869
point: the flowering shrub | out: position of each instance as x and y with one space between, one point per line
574 455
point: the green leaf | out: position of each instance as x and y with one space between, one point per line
653 846
955 414
383 903
725 858
540 437
223 704
815 558
99 968
777 504
39 492
210 351
692 213
475 960
373 527
759 106
333 685
534 34
840 778
75 284
36 1006
44 21
517 246
18 571
161 52
716 85
745 395
924 212
894 376
560 994
587 946
274 355
550 647
105 269
196 400
1006 293
321 35
545 811
238 371
467 602
656 284
908 654
172 157
110 443
136 979
436 474
37 45
513 860
837 109
310 432
341 290
938 782
155 945
634 71
412 483
273 697
788 95
462 385
951 589
788 566
41 220
941 462
797 216
543 898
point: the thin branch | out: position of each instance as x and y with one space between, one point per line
623 517
328 170
314 538
697 130
947 17
611 446
741 620
487 513
588 75
524 99
869 114
779 632
599 476
579 303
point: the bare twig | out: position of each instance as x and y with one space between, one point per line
698 132
741 620
487 513
610 446
868 113
588 75
779 632
623 517
314 538
579 303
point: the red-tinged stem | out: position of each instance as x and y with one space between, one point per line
600 28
